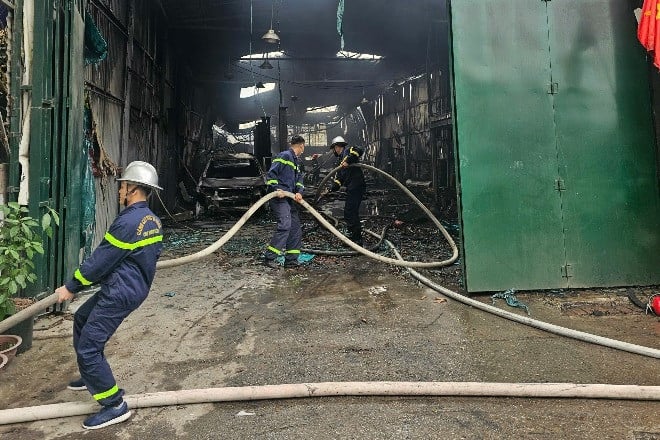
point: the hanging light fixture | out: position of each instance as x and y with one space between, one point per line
271 36
266 65
260 85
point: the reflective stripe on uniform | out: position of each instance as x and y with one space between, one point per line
272 182
293 251
104 394
286 162
79 276
132 246
275 250
353 152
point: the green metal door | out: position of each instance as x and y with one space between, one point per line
72 151
606 145
507 159
555 148
55 133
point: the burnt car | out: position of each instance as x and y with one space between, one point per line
230 182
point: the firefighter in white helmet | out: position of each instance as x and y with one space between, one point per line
352 178
123 265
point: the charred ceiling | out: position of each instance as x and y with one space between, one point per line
214 35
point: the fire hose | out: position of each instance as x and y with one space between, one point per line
551 390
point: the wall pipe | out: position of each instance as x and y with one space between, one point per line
333 389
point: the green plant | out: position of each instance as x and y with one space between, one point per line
19 243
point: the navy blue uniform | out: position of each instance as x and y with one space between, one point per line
285 174
124 264
353 179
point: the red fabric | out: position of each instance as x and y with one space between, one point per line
648 31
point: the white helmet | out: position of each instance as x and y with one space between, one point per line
141 173
338 141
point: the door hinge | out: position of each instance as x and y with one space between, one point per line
559 184
567 271
553 88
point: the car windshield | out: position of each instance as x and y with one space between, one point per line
223 169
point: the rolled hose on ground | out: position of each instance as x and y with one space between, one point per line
333 389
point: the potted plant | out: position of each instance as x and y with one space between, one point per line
20 241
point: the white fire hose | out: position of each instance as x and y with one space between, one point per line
286 391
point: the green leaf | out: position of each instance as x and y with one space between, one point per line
45 221
56 217
38 247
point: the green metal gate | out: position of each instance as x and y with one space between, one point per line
555 150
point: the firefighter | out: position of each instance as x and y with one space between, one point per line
285 175
352 178
123 265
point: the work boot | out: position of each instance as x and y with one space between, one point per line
77 385
270 263
292 264
109 415
357 239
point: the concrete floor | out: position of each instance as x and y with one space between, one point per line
225 321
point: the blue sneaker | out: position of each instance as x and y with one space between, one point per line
109 415
77 385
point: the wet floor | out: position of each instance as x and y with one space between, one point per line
226 321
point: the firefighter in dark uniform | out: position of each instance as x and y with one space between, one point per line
123 265
352 178
285 175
